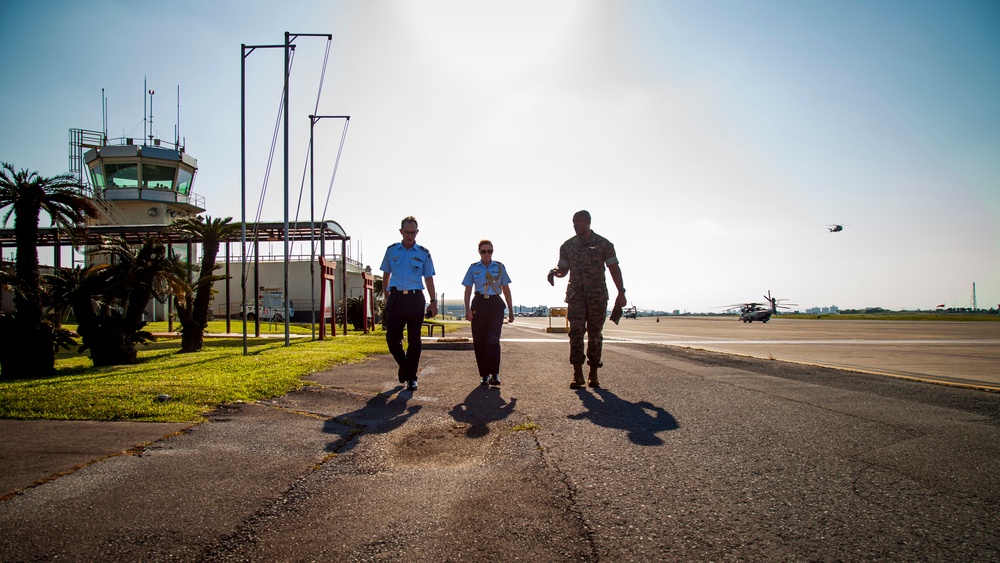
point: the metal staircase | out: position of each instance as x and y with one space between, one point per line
80 140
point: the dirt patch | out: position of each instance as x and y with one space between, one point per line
440 447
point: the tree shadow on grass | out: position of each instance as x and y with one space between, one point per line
481 407
382 413
642 420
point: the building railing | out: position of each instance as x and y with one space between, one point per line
303 309
154 194
292 256
129 141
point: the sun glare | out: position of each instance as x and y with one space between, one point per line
493 41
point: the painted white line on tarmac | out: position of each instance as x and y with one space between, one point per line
983 342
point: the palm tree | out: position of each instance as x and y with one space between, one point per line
74 289
79 290
193 306
109 299
27 340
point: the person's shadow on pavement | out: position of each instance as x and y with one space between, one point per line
642 420
483 406
383 413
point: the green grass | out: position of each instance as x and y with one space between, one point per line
197 382
236 326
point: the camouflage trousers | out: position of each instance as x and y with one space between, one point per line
586 314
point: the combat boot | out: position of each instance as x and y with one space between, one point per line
592 380
577 382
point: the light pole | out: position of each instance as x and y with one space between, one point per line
312 219
245 51
289 37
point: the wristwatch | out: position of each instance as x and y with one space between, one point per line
434 300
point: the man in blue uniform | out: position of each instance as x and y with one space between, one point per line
489 278
405 268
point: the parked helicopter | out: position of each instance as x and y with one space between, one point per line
617 313
750 312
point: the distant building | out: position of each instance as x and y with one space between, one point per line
304 295
150 184
831 310
141 186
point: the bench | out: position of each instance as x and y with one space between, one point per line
431 325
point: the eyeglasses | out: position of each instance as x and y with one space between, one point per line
490 251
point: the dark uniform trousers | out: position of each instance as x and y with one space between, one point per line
405 310
487 323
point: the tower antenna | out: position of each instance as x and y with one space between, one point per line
177 128
104 115
151 135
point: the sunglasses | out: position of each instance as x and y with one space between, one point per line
486 251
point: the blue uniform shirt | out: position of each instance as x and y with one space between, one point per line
481 277
407 267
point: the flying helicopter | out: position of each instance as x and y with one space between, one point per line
750 312
835 228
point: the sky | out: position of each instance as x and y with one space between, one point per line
713 142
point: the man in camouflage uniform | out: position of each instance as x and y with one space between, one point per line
584 257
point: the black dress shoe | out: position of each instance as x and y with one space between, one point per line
411 385
494 380
484 380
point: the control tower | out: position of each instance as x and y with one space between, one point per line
135 184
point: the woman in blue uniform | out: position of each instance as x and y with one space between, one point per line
489 279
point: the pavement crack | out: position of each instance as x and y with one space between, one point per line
229 546
137 450
354 429
572 493
246 534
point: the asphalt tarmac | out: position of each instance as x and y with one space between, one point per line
953 352
681 455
